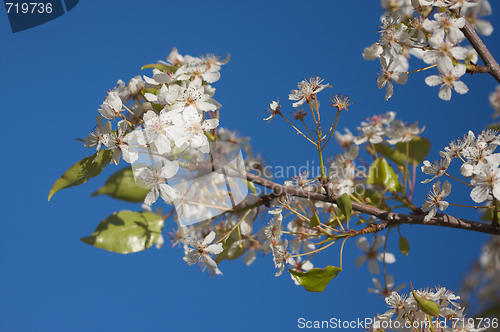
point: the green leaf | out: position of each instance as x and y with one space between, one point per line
488 214
231 253
375 198
428 307
390 153
404 246
121 185
82 171
126 231
495 126
344 204
251 186
162 67
315 280
314 220
418 149
149 90
381 173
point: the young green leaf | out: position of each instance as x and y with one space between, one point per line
418 148
345 205
381 173
404 246
126 232
314 220
162 67
82 171
121 185
315 280
429 307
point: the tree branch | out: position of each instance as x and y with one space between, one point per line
482 50
388 218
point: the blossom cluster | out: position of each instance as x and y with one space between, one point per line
166 111
163 120
406 313
480 165
408 29
343 174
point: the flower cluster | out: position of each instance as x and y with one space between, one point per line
407 313
166 112
479 164
165 120
375 129
435 40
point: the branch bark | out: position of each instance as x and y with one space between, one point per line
388 218
491 64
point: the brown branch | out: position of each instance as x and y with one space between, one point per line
482 50
388 218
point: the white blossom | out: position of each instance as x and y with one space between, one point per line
390 72
372 254
449 80
111 106
156 181
487 180
202 251
435 199
307 90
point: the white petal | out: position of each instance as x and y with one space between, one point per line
390 90
144 174
360 260
168 194
170 169
389 258
362 243
445 93
479 193
431 214
250 257
446 189
214 248
390 281
460 87
459 53
377 283
402 79
209 262
484 27
378 242
130 155
162 144
433 80
192 256
209 238
210 124
151 196
151 97
373 266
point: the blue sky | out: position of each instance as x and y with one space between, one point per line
54 78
